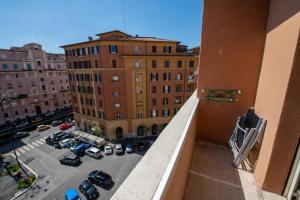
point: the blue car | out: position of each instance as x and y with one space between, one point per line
80 149
72 194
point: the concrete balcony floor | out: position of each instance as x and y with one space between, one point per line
212 177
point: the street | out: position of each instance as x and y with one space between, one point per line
54 178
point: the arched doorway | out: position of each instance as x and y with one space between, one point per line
141 130
154 129
38 110
119 133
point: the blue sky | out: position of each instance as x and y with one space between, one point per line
57 22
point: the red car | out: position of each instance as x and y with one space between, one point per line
64 126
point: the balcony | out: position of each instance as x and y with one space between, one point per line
178 167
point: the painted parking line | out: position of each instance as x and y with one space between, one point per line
22 150
31 146
39 142
26 148
35 144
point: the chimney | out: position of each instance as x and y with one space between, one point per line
90 38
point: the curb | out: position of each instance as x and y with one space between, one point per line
18 194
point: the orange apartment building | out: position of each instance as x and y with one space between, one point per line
129 85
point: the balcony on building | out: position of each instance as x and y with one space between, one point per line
248 58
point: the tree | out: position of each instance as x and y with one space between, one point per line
97 130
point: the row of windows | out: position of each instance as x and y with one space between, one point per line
165 112
85 89
165 101
167 64
93 50
16 66
154 76
85 77
82 64
178 88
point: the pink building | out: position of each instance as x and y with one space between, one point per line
33 82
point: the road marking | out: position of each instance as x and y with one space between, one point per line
31 146
39 142
35 144
26 148
18 154
42 140
22 150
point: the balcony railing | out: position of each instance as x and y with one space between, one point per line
162 172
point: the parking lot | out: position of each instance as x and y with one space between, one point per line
55 178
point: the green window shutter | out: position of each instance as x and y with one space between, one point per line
29 67
15 66
4 66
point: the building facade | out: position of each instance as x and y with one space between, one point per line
33 82
129 85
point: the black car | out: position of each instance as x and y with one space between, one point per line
51 141
19 135
70 159
56 122
66 136
100 178
141 146
89 190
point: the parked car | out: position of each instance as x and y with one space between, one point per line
129 148
59 135
73 123
72 194
70 159
100 178
64 126
56 122
51 140
66 136
108 150
141 146
89 190
19 135
93 152
66 143
118 149
80 149
42 127
22 125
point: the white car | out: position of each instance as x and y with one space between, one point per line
108 150
93 152
66 143
118 149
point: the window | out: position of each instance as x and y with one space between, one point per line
178 76
114 63
113 48
139 90
39 63
140 114
99 90
154 102
191 64
167 64
42 79
167 49
154 76
154 113
176 110
153 89
153 49
83 111
166 76
4 66
165 101
118 116
154 63
96 63
94 113
15 66
117 105
166 112
178 88
88 111
138 64
179 63
46 103
166 89
25 110
139 78
137 49
16 112
190 77
43 87
17 75
190 88
101 114
178 100
116 93
28 66
97 77
115 78
6 115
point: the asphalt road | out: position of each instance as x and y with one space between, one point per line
55 179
